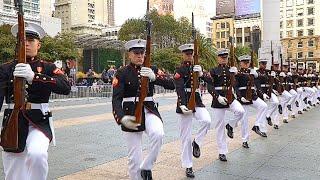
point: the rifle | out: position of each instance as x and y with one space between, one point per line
144 85
280 88
249 91
229 93
271 79
9 134
194 76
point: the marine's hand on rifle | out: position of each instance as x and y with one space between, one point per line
265 97
128 122
254 73
244 100
24 71
185 110
222 100
198 68
233 70
282 74
148 72
273 74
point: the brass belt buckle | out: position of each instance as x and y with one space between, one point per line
28 106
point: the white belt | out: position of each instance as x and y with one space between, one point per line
265 85
190 90
135 99
242 88
33 106
221 88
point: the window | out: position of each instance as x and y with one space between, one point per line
300 44
218 45
223 34
310 54
310 32
281 34
228 25
223 44
281 22
310 43
223 25
300 12
289 23
300 22
310 21
247 39
289 3
300 55
239 40
289 13
310 1
310 10
299 2
300 33
289 33
218 35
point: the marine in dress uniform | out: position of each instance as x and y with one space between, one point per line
35 132
125 95
182 79
243 77
218 82
263 86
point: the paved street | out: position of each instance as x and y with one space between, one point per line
90 146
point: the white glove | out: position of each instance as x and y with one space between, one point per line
222 100
289 74
198 68
273 74
282 74
309 75
185 110
305 75
266 97
254 73
233 70
128 122
244 100
24 71
147 72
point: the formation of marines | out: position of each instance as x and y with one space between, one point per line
277 94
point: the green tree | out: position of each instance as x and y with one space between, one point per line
166 58
7 44
246 50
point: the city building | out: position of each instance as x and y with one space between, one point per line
111 33
86 16
300 31
164 7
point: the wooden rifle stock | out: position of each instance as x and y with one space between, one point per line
249 91
9 134
229 93
144 84
195 76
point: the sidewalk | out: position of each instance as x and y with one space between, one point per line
292 152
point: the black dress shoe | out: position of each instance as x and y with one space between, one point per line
189 173
269 121
318 98
309 102
289 107
146 174
314 105
229 131
222 157
276 127
297 103
195 149
293 116
285 121
264 134
245 145
304 110
299 112
305 100
257 130
280 109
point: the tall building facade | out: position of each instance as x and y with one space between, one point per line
8 14
300 31
85 16
163 7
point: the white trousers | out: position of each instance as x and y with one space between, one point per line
300 98
155 133
32 163
261 108
203 117
285 99
219 116
293 100
272 110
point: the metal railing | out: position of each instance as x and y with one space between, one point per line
97 91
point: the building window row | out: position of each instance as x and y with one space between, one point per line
290 3
301 55
223 25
